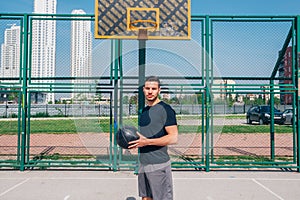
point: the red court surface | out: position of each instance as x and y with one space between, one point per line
188 185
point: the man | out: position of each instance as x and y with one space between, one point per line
158 128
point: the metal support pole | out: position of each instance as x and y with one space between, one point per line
24 94
207 96
142 63
272 130
115 58
298 91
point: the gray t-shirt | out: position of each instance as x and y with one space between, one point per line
152 124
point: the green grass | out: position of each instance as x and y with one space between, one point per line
71 126
57 156
68 126
255 129
246 158
237 129
237 116
231 116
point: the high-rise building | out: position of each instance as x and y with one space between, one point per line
81 50
285 71
10 53
227 89
44 45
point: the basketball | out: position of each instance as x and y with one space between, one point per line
125 135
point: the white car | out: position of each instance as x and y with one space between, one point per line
288 116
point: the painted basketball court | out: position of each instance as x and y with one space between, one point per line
104 185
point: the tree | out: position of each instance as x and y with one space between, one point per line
133 100
98 97
125 100
13 96
199 97
259 101
230 100
175 100
276 101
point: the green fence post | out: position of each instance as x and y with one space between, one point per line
272 131
297 91
24 93
207 95
115 58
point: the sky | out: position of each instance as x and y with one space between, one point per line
201 7
204 7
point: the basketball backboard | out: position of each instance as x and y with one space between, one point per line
163 19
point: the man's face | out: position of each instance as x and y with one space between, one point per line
151 90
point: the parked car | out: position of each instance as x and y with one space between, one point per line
288 116
262 115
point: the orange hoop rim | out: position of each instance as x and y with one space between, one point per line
135 28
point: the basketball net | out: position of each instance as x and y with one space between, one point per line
142 31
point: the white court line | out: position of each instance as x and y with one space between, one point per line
70 178
269 190
14 187
116 178
67 197
238 179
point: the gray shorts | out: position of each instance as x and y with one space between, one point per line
155 181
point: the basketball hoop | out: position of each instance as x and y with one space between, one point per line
149 19
143 30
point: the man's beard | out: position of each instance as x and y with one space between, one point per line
152 100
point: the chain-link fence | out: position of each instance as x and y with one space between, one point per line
62 99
